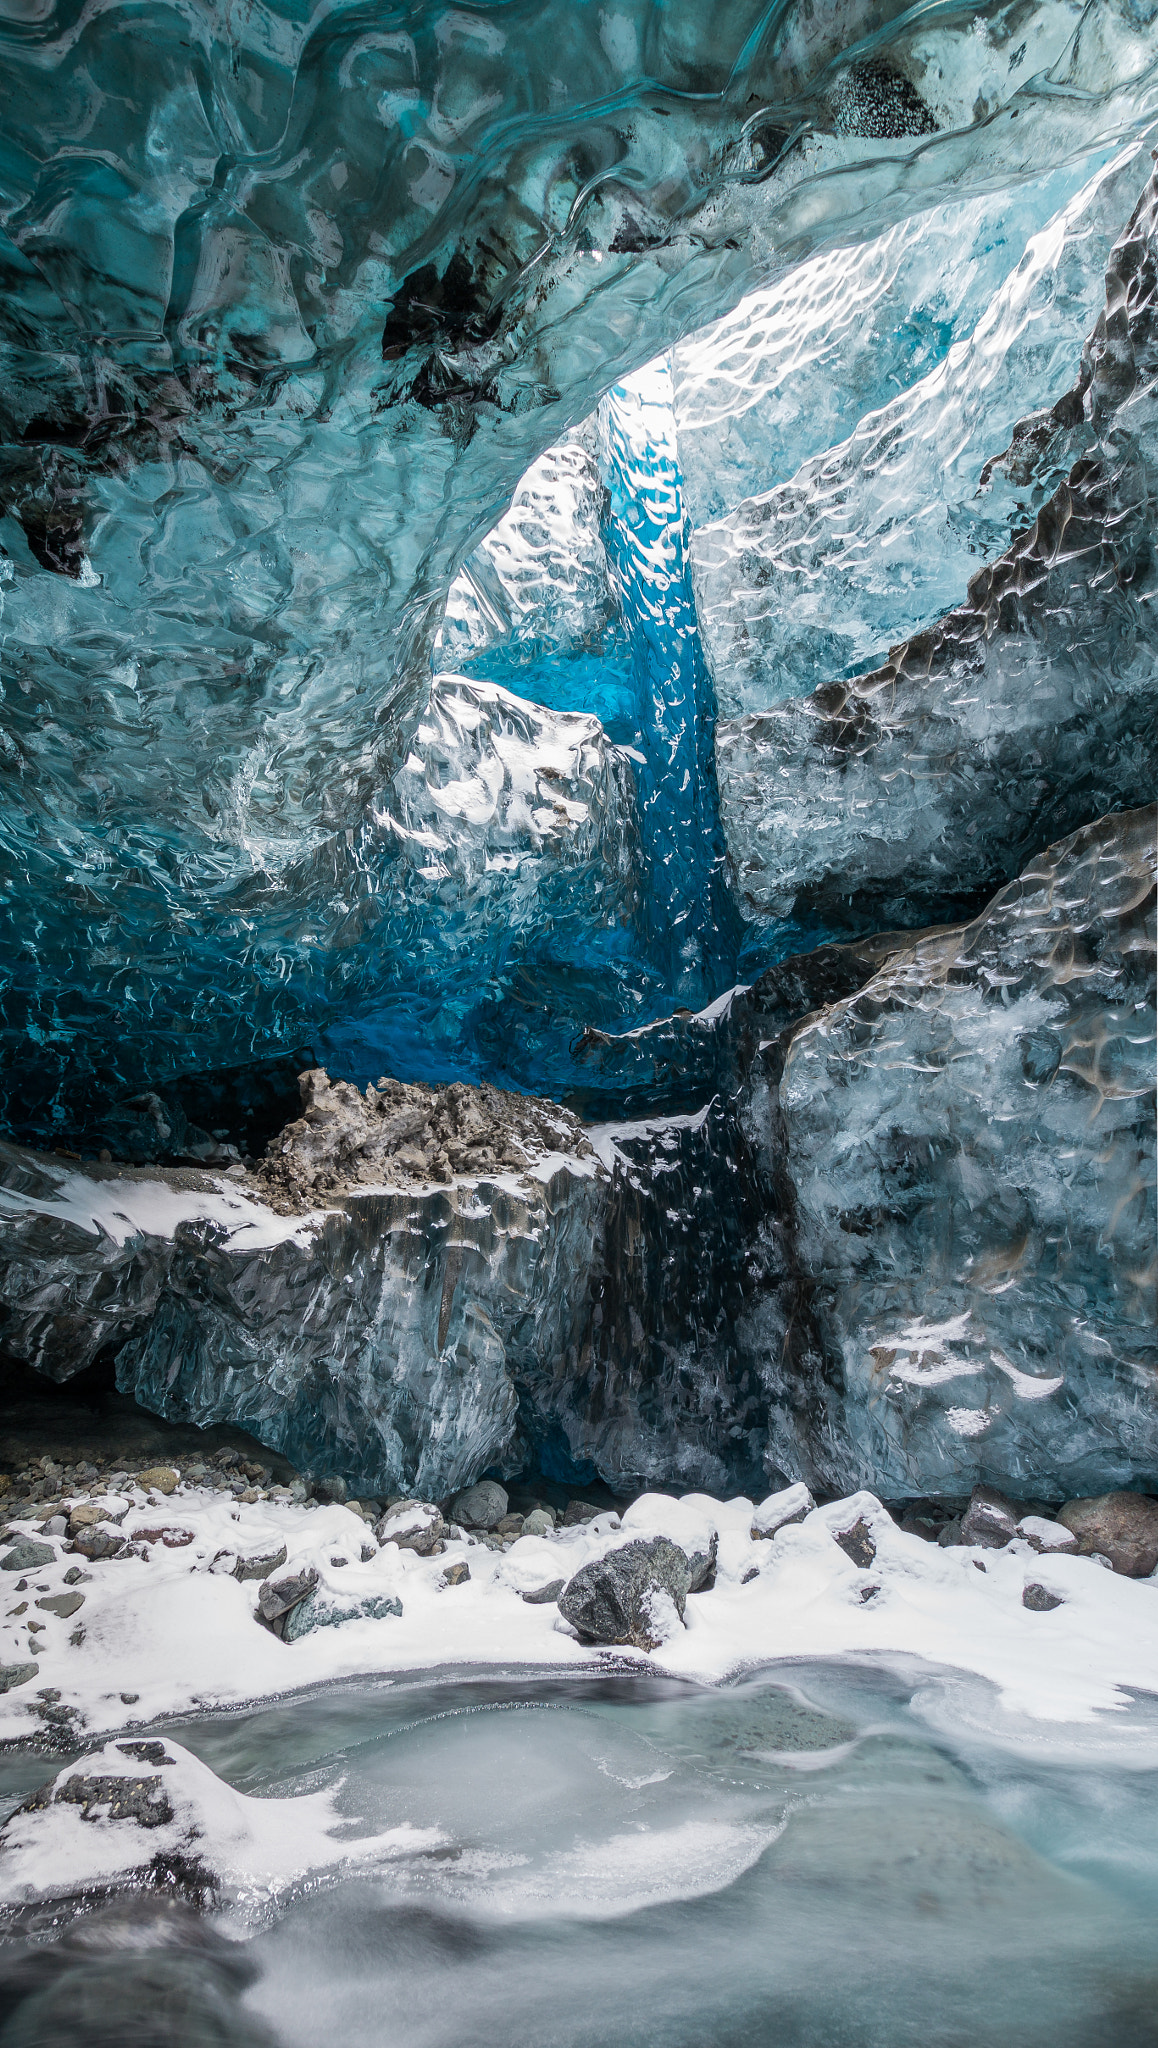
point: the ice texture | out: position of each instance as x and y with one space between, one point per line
1025 711
869 537
970 1143
910 1235
790 371
290 305
540 579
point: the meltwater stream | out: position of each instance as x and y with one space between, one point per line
837 1856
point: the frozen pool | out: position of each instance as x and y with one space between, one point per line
830 1856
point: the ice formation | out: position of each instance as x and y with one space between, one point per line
604 557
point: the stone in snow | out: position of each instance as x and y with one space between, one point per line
158 1479
27 1556
622 1598
413 1525
62 1604
857 1543
322 1611
1120 1526
12 1675
279 1596
781 1511
1039 1599
990 1520
99 1541
1048 1537
542 1596
480 1507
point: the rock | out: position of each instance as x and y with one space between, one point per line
990 1520
702 1566
62 1604
577 1512
1039 1600
1046 1536
540 1522
258 1564
85 1517
857 1543
322 1611
630 1596
481 1506
330 1491
27 1556
158 1479
56 1525
510 1525
782 1511
75 1577
413 1525
456 1574
168 1535
99 1541
542 1596
12 1675
278 1597
143 1800
1120 1526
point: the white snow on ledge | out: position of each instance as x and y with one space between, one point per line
181 1636
124 1206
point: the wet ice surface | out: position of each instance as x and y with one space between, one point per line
827 1853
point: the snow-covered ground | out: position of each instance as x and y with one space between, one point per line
171 1629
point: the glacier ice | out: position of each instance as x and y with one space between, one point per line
382 540
971 1146
909 1236
284 325
869 537
1029 708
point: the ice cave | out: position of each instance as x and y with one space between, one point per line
578 1212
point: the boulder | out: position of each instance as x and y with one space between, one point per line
1039 1599
320 1610
577 1512
12 1675
781 1511
278 1598
989 1521
27 1556
540 1522
99 1541
1120 1526
630 1596
413 1525
481 1506
456 1574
